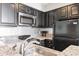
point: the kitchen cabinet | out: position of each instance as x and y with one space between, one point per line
26 9
67 12
23 8
40 17
61 13
43 20
48 43
49 19
73 11
8 14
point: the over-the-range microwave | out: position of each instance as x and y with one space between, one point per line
26 19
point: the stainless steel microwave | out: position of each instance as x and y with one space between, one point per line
26 19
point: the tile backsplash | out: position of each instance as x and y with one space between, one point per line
10 34
12 31
50 30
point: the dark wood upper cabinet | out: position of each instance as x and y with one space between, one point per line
73 11
8 14
61 13
49 19
23 8
67 12
26 9
43 19
38 18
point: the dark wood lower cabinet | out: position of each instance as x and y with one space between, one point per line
48 43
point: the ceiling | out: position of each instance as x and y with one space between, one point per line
46 6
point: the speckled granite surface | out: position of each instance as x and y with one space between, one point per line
72 50
8 51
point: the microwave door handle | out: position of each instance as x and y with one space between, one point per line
34 20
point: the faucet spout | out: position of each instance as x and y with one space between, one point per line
25 45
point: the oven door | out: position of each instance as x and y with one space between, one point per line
26 19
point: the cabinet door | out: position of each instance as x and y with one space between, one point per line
43 20
38 18
23 8
48 43
47 19
61 13
9 14
26 9
73 11
51 19
31 11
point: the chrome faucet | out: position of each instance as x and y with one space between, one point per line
25 45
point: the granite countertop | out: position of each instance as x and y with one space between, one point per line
72 50
47 51
8 51
48 36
